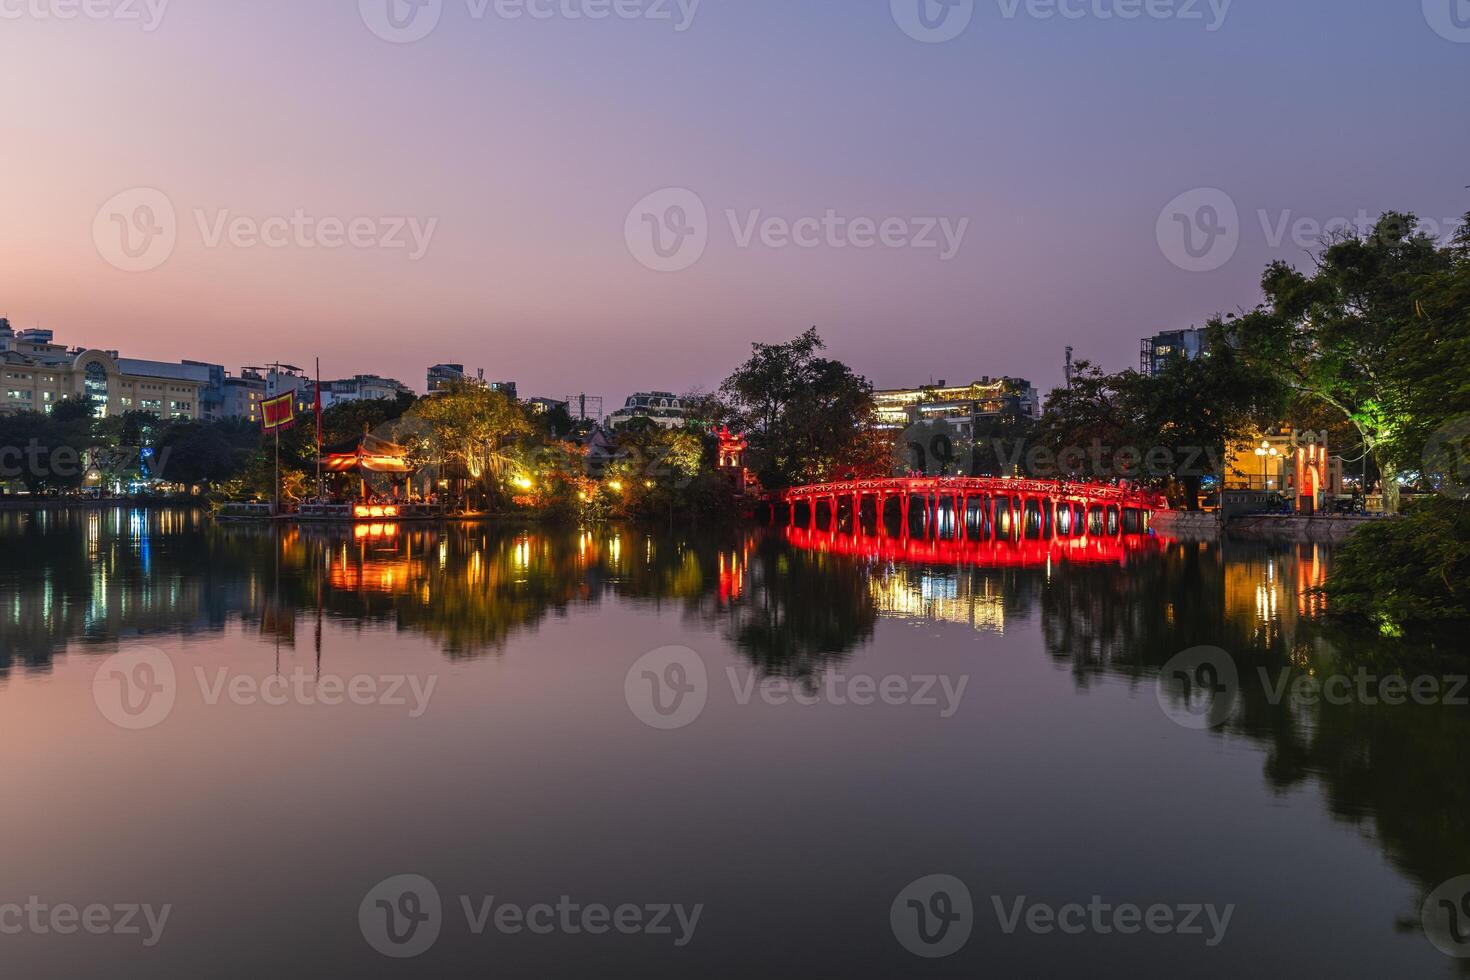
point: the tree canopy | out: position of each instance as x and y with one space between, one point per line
802 412
1377 331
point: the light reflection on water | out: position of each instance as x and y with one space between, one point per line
78 584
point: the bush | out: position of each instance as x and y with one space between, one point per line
1407 571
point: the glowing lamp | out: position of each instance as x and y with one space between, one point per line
616 486
362 512
390 511
377 512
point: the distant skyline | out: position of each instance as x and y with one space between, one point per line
626 202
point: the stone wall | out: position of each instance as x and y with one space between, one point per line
1186 525
1197 525
1311 529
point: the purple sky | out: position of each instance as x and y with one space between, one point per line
525 143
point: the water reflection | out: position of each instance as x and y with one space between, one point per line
795 604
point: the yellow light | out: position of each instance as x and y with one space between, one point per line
362 512
649 484
390 511
377 512
525 482
616 486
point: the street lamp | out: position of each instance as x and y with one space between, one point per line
1266 451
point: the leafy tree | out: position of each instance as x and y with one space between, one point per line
472 428
48 453
194 453
349 420
1415 570
1194 409
1173 426
555 422
1356 333
1095 412
801 412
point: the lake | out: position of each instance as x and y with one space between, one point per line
237 751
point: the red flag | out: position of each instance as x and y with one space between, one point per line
279 413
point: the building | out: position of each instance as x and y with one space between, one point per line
1157 351
441 376
1289 465
361 387
663 408
963 406
541 406
38 372
244 394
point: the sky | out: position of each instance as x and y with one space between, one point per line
605 196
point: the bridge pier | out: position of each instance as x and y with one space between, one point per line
982 508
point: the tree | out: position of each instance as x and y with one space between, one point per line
349 420
472 427
1195 408
801 412
194 453
1172 426
1086 422
47 452
1356 333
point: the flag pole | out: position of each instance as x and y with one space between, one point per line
276 432
318 407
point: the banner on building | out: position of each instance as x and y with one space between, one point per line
278 414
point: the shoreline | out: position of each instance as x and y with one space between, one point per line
36 505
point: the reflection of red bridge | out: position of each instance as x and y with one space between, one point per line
986 520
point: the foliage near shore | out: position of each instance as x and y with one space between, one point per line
1412 570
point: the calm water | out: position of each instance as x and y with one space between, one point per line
262 731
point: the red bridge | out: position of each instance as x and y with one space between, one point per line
970 509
